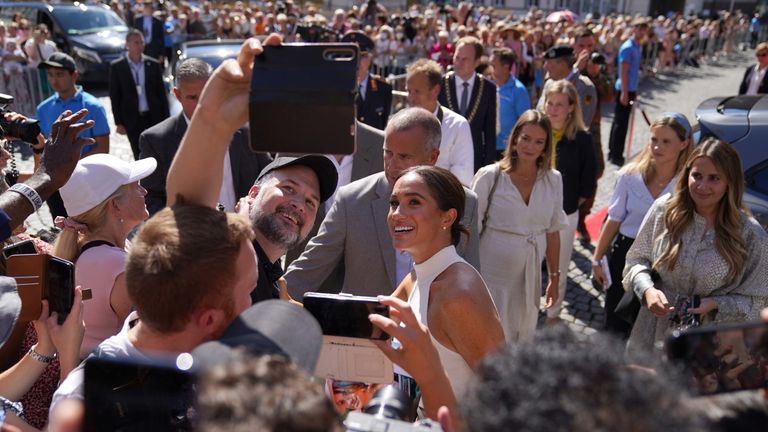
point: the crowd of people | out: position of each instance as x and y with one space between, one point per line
446 212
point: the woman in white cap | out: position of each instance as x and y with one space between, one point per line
106 202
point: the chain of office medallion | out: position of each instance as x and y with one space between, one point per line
475 106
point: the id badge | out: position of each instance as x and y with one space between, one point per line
138 90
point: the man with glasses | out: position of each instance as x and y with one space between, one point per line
374 96
755 80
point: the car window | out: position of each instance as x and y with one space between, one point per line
78 21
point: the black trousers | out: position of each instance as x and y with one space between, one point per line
616 262
619 128
144 122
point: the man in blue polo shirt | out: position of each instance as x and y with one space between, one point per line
513 96
62 76
630 56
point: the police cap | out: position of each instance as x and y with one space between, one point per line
357 37
560 51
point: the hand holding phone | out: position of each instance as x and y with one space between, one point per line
346 315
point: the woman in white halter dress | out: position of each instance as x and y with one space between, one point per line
446 293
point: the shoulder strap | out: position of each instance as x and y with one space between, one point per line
93 244
490 198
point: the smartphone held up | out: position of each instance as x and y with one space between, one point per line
302 98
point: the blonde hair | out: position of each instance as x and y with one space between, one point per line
546 160
575 120
69 242
679 211
644 163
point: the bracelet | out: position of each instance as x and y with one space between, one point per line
553 274
39 357
37 150
596 263
28 193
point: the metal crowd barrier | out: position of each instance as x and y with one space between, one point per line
27 90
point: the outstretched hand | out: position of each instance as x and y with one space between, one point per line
63 150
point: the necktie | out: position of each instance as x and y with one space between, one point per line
464 98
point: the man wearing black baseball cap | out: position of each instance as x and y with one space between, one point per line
61 72
374 95
282 204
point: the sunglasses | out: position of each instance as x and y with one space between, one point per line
762 54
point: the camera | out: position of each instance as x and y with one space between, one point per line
387 411
25 130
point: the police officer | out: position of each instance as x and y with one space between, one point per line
559 63
374 96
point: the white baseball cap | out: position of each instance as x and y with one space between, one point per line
98 176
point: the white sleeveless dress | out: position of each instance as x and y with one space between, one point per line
456 368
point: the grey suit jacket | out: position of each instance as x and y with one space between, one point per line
368 159
355 233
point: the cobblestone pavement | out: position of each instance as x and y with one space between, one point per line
681 91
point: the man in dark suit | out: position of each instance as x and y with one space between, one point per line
152 29
755 79
136 91
474 97
162 141
374 95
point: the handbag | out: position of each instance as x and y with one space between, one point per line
490 198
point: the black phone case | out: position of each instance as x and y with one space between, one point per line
303 99
342 315
60 289
25 247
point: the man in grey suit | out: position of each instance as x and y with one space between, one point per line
366 160
162 140
355 233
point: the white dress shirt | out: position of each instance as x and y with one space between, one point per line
140 80
363 87
344 169
147 29
457 153
460 89
755 79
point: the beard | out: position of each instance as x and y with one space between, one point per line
275 230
